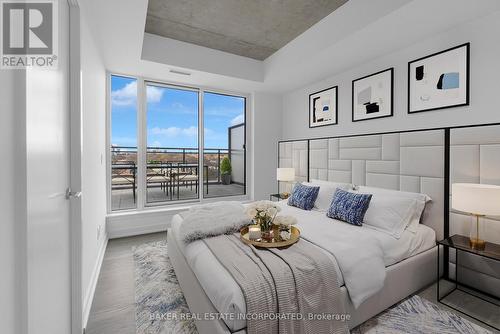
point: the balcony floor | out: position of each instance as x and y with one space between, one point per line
123 198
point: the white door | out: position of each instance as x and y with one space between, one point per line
51 248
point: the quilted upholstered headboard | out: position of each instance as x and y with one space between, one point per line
426 161
294 154
409 161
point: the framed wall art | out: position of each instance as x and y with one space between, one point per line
440 80
323 107
372 96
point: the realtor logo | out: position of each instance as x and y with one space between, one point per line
29 34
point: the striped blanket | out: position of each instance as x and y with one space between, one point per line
288 290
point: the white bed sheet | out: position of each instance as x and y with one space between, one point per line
227 296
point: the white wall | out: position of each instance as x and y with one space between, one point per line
93 163
266 132
484 65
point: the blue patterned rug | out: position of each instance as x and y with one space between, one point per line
160 307
160 304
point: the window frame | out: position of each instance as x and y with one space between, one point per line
141 200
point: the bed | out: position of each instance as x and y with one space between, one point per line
404 161
403 258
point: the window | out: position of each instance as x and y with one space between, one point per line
172 144
178 159
123 139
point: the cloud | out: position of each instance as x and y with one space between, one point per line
238 120
174 131
127 95
191 132
156 143
154 94
123 141
223 111
180 108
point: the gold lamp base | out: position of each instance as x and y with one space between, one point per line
284 195
477 244
474 241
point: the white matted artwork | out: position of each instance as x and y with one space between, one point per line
323 107
372 96
440 80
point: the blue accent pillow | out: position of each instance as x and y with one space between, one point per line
349 207
303 196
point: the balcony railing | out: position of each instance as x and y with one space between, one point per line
127 155
172 173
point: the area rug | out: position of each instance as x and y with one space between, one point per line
161 307
417 315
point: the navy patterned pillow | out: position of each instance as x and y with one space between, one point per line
303 196
349 207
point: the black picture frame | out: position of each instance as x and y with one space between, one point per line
391 69
467 85
336 88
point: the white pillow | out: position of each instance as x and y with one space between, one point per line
393 211
326 191
390 214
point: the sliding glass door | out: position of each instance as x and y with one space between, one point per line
224 144
172 171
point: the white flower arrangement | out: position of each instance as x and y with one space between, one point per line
265 213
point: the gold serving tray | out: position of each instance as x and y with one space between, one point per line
275 242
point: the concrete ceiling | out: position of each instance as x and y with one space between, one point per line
249 28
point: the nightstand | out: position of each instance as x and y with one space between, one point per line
459 293
278 197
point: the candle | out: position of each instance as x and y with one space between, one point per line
254 232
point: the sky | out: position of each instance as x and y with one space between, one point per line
172 116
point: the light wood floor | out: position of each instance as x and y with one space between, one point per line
113 308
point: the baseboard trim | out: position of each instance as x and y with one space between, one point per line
137 230
93 281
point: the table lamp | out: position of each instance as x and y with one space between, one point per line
285 175
478 200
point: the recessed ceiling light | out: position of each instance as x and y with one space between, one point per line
179 72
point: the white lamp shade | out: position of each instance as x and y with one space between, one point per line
480 199
285 174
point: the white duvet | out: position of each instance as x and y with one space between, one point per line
361 255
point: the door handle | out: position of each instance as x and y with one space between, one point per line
70 194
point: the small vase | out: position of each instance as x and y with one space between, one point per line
267 235
266 229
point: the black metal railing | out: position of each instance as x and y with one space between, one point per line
127 156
